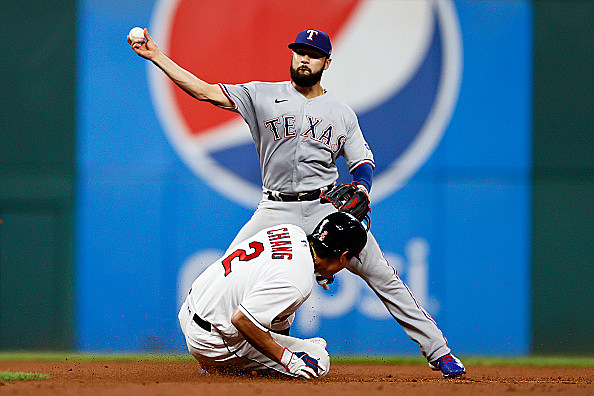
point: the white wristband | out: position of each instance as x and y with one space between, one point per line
362 188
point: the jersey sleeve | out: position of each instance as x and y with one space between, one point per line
242 97
356 151
270 303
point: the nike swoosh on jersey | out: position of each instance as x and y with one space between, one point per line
280 100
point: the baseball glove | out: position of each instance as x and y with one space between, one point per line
349 199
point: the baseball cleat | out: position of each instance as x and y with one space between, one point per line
318 341
450 366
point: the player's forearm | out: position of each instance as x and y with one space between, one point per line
259 339
191 84
363 175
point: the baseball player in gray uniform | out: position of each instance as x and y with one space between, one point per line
236 308
300 130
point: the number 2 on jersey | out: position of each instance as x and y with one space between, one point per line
242 256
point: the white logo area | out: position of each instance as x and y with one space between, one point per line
382 44
348 293
310 34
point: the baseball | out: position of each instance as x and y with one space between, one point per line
136 34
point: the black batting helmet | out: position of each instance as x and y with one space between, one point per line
337 233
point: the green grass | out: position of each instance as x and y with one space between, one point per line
544 361
18 376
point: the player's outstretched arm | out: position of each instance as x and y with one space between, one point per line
191 84
259 339
298 364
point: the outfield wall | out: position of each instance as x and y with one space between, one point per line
37 174
563 183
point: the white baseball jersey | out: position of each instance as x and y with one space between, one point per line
267 276
324 127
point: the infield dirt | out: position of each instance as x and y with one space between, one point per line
168 378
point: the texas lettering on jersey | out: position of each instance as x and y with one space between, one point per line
298 139
284 127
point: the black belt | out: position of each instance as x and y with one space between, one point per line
306 196
202 323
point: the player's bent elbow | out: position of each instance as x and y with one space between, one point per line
237 318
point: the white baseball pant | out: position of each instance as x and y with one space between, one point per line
214 352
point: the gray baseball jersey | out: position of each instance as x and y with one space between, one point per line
324 126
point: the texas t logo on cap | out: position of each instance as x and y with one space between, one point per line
311 33
313 38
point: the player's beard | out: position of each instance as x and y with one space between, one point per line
305 79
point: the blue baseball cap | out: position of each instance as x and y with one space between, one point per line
315 39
